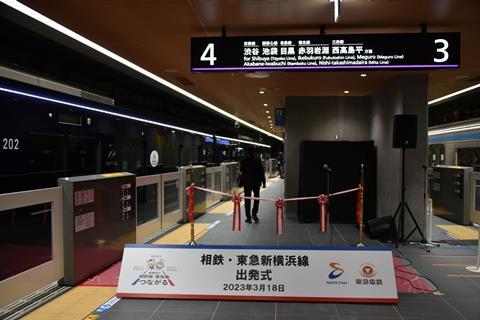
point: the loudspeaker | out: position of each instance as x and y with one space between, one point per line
405 131
380 228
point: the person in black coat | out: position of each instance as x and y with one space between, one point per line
252 176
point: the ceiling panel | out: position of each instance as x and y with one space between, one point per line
155 34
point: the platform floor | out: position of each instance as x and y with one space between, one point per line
458 298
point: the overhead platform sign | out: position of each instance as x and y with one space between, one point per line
399 51
342 274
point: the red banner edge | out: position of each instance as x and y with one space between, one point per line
256 298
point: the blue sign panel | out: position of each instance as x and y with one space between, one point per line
279 117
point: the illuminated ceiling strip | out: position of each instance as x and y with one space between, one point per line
43 19
336 9
245 141
125 116
469 127
456 93
112 113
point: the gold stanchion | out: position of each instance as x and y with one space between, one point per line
191 209
361 226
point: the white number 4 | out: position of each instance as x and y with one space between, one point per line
442 50
209 55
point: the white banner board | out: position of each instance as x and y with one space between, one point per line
340 274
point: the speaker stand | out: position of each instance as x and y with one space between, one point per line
401 210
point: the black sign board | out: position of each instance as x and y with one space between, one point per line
326 52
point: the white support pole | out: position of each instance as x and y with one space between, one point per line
477 267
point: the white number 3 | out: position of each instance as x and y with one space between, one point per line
442 50
209 55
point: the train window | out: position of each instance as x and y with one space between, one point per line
469 157
147 203
171 197
25 238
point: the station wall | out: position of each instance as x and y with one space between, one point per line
360 119
406 94
320 118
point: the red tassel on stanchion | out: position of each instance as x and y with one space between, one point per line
359 208
191 195
236 211
323 202
280 204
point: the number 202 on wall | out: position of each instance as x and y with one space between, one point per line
10 144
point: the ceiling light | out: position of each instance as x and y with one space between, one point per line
265 104
468 127
336 9
245 141
49 22
261 92
269 117
456 93
363 75
257 75
267 111
346 92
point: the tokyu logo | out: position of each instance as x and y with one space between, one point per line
336 272
368 270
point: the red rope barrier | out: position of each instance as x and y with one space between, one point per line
279 204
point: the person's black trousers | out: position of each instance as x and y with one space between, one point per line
247 192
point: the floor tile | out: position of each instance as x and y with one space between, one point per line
307 317
297 308
125 315
470 308
380 310
246 307
239 316
164 315
208 306
145 305
432 308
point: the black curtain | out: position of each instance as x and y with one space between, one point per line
345 159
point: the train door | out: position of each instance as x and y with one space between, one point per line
81 155
45 161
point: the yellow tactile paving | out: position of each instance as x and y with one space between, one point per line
182 235
74 304
227 206
460 232
223 208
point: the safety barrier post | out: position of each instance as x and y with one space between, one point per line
280 204
237 214
477 267
191 195
360 208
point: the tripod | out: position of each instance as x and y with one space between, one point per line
401 210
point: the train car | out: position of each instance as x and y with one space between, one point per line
46 135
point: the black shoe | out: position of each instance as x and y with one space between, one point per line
248 221
255 218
